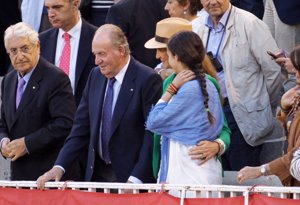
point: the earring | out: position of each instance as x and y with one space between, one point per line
184 12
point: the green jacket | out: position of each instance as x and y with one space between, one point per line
224 135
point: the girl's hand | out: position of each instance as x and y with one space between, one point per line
183 77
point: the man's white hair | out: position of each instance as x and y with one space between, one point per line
21 30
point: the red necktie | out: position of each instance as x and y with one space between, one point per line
65 56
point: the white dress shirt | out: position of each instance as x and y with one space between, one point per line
74 41
117 86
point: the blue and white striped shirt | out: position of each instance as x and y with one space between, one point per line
295 165
102 4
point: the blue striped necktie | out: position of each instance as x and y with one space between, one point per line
106 120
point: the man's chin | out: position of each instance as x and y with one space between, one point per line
215 12
22 69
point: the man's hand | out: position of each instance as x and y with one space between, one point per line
248 173
17 149
287 64
288 98
4 148
55 173
204 151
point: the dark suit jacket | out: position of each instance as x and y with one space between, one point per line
288 11
85 9
137 19
254 6
85 58
44 117
130 145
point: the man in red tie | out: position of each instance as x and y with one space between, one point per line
68 44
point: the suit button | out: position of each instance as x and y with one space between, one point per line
91 167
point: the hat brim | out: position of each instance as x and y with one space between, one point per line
153 44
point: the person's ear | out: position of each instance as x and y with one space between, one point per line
76 4
186 6
122 50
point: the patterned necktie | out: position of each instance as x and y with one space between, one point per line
65 56
106 120
20 90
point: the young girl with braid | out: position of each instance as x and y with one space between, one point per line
189 112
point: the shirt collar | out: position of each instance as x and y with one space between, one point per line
210 24
73 32
120 76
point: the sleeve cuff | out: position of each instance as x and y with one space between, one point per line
222 147
26 146
134 180
160 101
60 168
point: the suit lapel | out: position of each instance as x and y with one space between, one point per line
228 28
126 92
11 99
97 93
84 51
30 90
50 48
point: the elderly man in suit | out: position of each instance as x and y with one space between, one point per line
68 43
237 42
37 106
110 119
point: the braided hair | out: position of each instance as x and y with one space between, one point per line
189 49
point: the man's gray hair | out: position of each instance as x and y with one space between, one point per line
22 30
117 36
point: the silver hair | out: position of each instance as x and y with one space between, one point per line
21 29
117 36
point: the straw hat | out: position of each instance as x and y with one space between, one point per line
165 29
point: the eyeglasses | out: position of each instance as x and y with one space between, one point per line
24 49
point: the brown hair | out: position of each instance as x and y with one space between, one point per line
295 57
195 5
189 49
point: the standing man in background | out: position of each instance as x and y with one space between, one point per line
237 42
68 44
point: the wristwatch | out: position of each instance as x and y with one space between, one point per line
263 170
